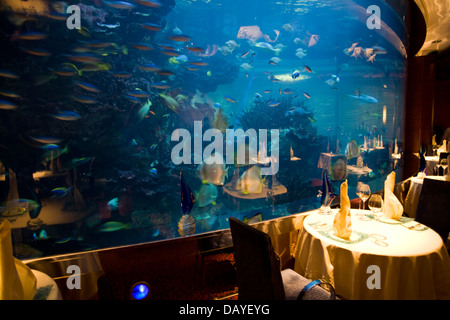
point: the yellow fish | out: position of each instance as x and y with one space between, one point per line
220 121
251 181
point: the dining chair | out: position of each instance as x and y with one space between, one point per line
433 209
401 190
258 272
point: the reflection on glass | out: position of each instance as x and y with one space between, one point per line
97 123
376 204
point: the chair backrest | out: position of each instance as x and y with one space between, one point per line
401 190
258 267
433 209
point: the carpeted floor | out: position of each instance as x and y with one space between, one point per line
188 277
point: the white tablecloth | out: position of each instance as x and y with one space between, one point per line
412 198
47 287
413 264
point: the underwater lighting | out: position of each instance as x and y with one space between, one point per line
140 290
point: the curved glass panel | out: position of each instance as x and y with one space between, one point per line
139 121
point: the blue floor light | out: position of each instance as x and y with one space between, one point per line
140 290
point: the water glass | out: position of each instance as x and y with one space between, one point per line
376 204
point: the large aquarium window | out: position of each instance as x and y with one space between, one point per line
147 120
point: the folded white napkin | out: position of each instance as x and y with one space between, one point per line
393 209
342 224
17 281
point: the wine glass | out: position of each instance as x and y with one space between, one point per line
376 204
363 192
444 165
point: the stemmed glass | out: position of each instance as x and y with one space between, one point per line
363 192
444 165
376 204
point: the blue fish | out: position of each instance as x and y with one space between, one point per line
295 74
67 116
187 196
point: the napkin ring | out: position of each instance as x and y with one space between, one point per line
314 283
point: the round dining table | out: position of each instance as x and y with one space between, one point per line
412 197
383 259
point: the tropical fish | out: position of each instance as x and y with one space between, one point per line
326 193
230 99
151 26
95 66
246 66
143 111
274 60
268 46
288 91
212 170
187 196
8 74
37 52
251 181
313 40
272 103
79 161
307 95
300 53
7 105
113 204
293 158
84 99
142 46
149 67
195 49
138 93
253 219
180 38
160 85
364 98
171 53
32 35
47 140
150 3
121 74
295 74
111 226
67 116
179 60
119 5
287 77
206 195
220 121
170 102
60 192
199 63
297 112
87 86
85 57
231 44
307 68
352 150
50 146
